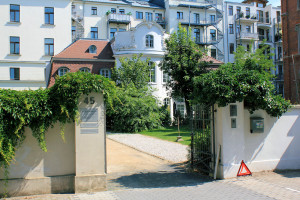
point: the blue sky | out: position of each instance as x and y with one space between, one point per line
273 2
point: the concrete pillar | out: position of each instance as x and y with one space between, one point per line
90 146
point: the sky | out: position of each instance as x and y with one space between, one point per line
273 2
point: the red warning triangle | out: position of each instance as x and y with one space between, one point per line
244 170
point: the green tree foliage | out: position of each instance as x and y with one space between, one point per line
41 109
182 62
137 109
248 80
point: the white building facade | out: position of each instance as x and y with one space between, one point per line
251 24
31 32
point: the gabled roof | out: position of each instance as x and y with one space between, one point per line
80 50
211 60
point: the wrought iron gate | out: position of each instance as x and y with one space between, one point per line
202 139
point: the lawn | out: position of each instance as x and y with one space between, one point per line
170 134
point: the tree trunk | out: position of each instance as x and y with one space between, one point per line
188 108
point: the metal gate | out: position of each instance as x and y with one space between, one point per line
202 139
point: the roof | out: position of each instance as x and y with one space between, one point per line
80 50
211 60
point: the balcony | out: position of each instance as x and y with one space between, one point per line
264 37
206 41
118 18
264 22
245 18
247 36
161 22
278 37
197 22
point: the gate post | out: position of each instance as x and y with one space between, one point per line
90 146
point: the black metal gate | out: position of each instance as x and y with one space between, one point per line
202 139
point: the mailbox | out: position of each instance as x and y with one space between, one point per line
256 125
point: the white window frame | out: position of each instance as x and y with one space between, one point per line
106 72
85 69
149 41
62 71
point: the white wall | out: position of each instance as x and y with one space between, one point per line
277 148
32 32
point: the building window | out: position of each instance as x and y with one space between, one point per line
238 11
213 36
197 35
230 28
14 73
122 11
14 13
278 17
149 41
247 12
112 32
94 10
94 32
113 10
139 15
231 47
179 15
49 46
196 18
14 45
248 47
152 72
213 18
73 32
148 16
166 101
248 29
158 17
62 71
105 72
166 77
85 69
213 53
230 10
92 49
49 15
180 109
122 29
260 5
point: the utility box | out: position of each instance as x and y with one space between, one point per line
256 125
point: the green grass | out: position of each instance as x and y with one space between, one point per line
170 134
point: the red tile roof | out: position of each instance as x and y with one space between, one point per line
211 60
80 49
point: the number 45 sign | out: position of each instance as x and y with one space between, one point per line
89 100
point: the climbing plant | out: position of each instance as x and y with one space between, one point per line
42 108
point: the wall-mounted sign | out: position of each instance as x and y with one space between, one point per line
89 121
256 125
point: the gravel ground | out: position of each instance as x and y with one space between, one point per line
171 151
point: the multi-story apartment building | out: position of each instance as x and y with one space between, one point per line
249 24
31 32
291 49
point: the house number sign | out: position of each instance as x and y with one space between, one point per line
89 118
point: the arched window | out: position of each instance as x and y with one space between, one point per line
149 41
85 69
92 49
62 71
105 72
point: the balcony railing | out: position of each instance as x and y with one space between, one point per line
242 16
246 35
197 22
200 1
264 20
264 37
119 18
205 41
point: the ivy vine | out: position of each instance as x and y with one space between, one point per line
42 108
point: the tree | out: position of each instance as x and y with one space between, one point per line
182 62
133 71
136 109
248 80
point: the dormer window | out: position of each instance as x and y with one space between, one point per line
149 41
92 49
62 71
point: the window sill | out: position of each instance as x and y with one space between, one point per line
48 25
14 54
48 55
15 23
